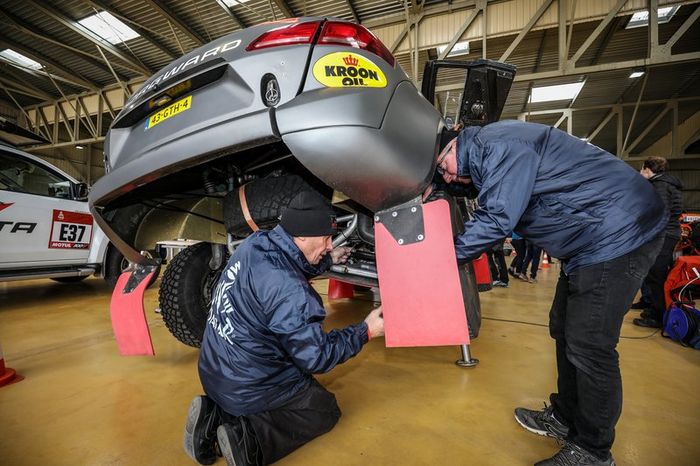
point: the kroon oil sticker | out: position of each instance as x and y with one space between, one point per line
345 69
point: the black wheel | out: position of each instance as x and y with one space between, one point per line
472 302
185 293
76 279
266 198
115 264
467 275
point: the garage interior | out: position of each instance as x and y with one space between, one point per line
82 403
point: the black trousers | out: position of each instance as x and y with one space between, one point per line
585 320
499 264
532 256
657 276
307 415
520 251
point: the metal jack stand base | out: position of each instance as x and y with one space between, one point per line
467 360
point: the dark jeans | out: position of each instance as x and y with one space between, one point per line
657 276
520 250
585 320
532 256
307 415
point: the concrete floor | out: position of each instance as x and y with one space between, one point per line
81 403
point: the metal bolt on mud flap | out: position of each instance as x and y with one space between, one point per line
400 241
467 360
420 237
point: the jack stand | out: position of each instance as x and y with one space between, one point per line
467 360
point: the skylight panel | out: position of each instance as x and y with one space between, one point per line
234 2
19 59
460 48
108 27
641 18
557 92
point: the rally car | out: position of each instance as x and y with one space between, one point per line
46 229
216 144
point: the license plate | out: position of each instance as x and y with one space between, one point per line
169 111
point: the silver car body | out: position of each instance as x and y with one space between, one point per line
367 133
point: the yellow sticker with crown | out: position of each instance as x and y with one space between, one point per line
347 69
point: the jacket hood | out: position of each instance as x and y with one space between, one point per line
667 178
465 142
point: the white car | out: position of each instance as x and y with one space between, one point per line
46 229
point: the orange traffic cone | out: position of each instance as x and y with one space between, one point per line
339 290
7 375
545 261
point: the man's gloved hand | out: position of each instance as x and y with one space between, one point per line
340 254
375 323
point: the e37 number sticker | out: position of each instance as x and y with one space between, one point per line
346 69
70 230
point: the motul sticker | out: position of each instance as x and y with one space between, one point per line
346 69
70 230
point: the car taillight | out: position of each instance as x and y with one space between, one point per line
354 35
300 33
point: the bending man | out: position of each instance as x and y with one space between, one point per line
604 221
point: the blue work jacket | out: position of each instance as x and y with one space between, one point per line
578 202
263 338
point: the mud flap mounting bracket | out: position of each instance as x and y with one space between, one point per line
404 223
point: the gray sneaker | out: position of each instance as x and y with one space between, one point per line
542 422
573 455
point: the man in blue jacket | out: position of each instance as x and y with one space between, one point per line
604 222
264 339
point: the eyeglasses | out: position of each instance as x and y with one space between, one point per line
440 167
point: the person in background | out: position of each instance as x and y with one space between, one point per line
532 260
668 187
497 262
264 340
518 243
604 223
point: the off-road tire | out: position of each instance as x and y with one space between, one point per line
114 265
472 302
185 293
266 199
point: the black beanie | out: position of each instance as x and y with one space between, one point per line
309 214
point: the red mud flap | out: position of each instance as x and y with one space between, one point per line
127 312
422 298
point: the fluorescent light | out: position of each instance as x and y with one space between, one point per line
460 48
79 146
641 18
636 74
20 59
558 92
108 27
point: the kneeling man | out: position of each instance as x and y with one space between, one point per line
264 340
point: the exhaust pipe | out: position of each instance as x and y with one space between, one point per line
343 236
